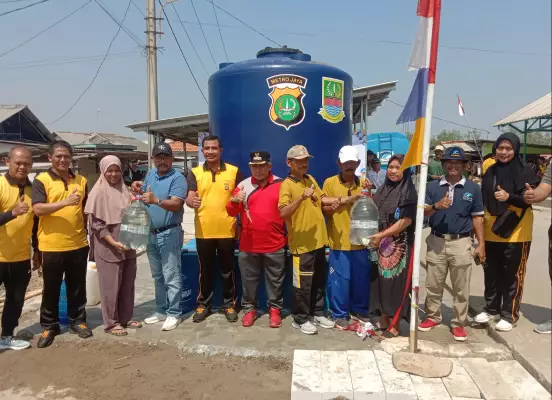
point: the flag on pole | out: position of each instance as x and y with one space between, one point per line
414 110
460 107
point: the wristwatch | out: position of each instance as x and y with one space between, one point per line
433 207
159 201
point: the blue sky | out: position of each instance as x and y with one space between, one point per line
353 35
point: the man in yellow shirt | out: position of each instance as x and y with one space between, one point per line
16 228
210 188
300 205
350 266
59 197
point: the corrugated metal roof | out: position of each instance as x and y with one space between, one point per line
537 109
8 110
80 138
466 146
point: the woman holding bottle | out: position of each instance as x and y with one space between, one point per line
116 264
396 201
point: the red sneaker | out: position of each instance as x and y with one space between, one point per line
275 318
428 325
459 333
249 319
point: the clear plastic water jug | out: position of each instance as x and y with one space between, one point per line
364 220
135 226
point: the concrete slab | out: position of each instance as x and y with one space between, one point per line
306 380
489 382
398 385
460 384
365 376
336 378
525 386
429 388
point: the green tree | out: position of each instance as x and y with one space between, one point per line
447 135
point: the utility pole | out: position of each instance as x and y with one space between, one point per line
151 59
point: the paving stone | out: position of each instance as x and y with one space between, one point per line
488 380
336 378
488 351
365 376
401 343
463 398
422 364
524 385
459 383
429 388
397 384
306 380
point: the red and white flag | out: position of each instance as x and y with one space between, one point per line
460 107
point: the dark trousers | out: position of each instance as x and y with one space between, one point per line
504 278
15 276
207 251
309 283
252 266
55 265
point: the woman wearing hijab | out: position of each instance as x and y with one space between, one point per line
508 225
116 264
396 201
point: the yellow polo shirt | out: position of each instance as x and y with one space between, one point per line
215 191
65 229
486 164
339 223
522 233
15 235
306 227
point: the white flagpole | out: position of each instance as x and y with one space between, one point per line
471 130
422 188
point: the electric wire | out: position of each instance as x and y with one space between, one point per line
11 1
220 31
242 22
70 60
181 52
190 39
203 33
23 8
120 24
99 68
44 30
138 8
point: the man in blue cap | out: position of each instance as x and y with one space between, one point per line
455 207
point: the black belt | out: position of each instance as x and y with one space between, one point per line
450 236
163 228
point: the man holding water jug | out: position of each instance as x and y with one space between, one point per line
164 191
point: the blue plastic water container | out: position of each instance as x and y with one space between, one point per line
63 317
386 144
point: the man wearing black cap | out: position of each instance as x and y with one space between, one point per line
164 191
262 239
455 207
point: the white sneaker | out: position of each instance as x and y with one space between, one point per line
11 343
307 328
170 324
324 322
504 326
155 318
482 318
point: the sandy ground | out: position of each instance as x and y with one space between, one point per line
34 284
90 370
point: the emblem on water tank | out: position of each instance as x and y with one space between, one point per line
287 95
332 100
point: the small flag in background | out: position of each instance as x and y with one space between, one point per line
460 107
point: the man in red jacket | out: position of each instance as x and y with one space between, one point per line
262 238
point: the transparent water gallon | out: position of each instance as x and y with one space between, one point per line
135 226
364 220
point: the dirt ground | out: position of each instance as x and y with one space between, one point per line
34 284
109 370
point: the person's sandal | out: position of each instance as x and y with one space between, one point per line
133 325
389 335
118 331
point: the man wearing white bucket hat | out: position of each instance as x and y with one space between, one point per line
435 168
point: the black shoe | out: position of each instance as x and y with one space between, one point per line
47 337
201 314
341 323
82 330
360 317
231 314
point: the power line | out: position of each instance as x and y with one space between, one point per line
239 20
71 60
99 67
138 8
11 1
203 33
190 39
44 30
181 52
120 24
23 8
220 31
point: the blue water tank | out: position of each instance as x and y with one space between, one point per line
278 100
386 144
